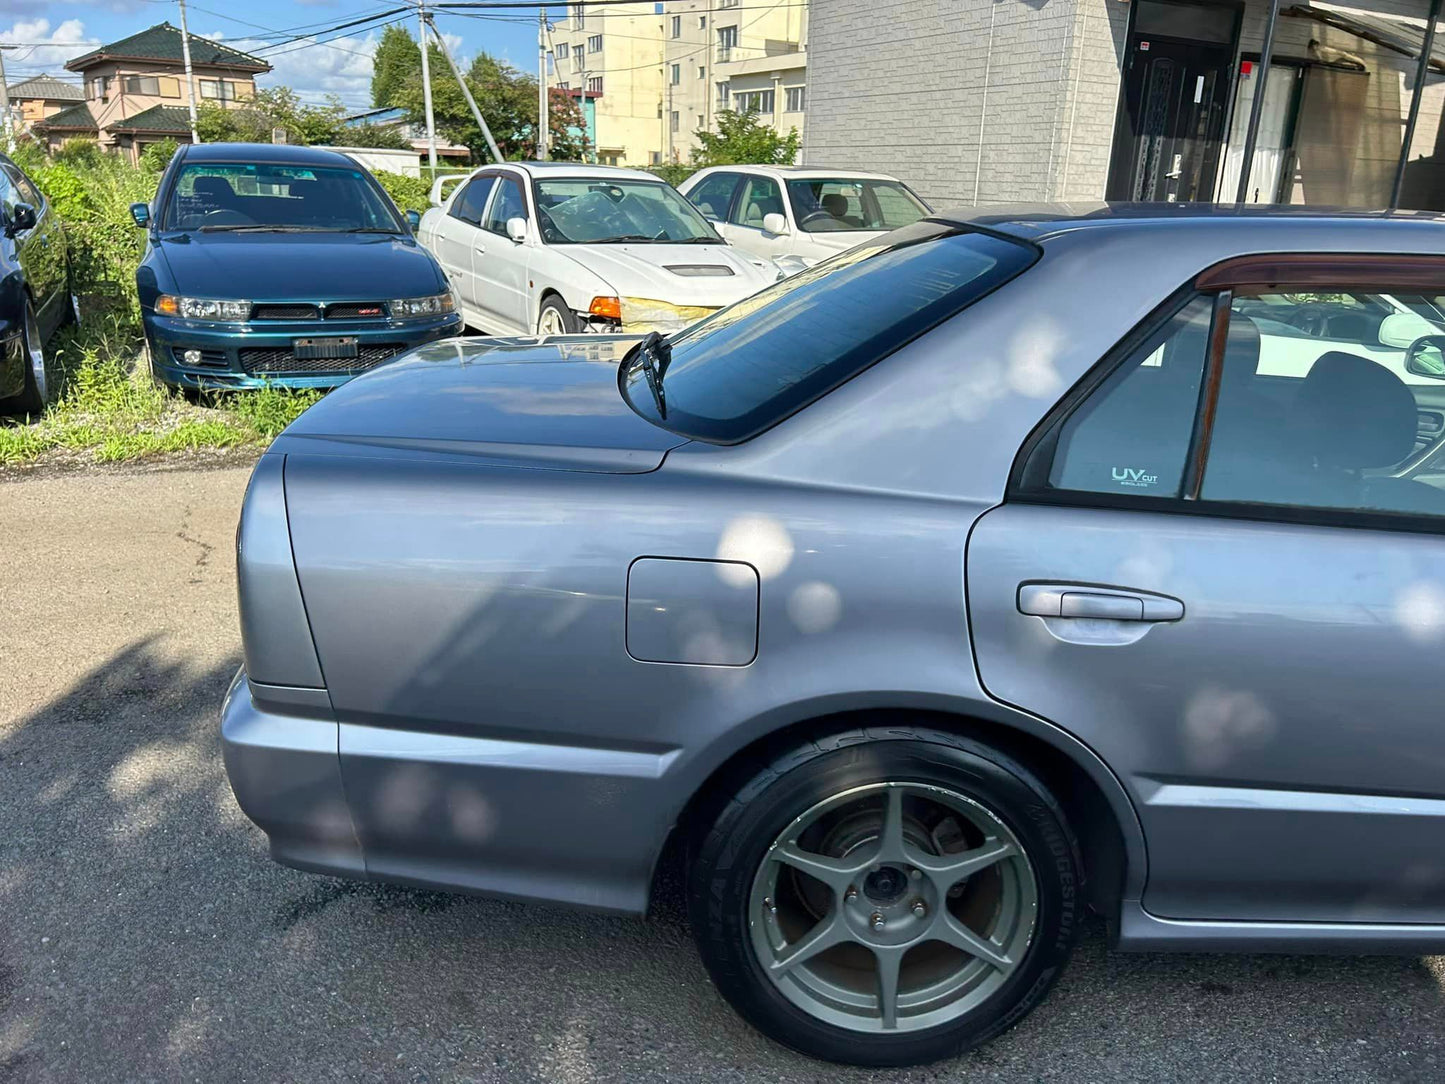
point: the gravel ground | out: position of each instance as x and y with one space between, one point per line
145 935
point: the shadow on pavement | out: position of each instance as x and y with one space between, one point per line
145 934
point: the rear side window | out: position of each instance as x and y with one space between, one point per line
471 202
752 364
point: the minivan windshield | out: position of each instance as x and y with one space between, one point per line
750 365
827 204
246 197
599 211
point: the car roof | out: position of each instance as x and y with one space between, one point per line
1042 221
804 172
266 154
576 169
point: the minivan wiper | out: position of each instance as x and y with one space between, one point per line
655 355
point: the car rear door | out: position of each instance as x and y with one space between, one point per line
41 248
455 234
1222 582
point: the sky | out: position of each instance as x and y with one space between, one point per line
49 33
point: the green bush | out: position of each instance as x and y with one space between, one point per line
409 193
673 173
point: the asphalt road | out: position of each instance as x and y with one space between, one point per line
145 935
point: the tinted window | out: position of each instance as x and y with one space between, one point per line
821 205
27 191
715 195
761 197
471 202
1330 418
226 195
9 195
507 203
1131 436
752 364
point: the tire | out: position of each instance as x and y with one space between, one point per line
561 314
947 999
38 385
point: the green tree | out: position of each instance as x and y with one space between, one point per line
506 97
275 107
396 59
741 140
158 155
381 136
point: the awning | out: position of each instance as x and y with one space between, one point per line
1399 33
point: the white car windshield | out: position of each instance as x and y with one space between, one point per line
591 211
828 204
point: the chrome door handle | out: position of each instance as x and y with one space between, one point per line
1097 603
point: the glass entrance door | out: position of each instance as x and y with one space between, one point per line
1174 99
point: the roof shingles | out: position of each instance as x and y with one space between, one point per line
47 88
163 42
171 119
77 118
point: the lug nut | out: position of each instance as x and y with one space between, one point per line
770 905
877 921
919 908
915 873
850 895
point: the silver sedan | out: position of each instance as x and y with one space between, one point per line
1008 566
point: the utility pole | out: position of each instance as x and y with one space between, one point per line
190 75
542 120
431 122
5 105
466 91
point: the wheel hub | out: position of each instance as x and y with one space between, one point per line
886 884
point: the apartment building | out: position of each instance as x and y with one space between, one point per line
1144 100
649 75
608 59
727 54
135 93
43 96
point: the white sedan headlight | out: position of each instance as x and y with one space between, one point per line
203 308
642 314
416 308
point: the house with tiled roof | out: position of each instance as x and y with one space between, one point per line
134 89
41 97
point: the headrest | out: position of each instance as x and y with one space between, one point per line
304 189
1352 413
213 186
835 203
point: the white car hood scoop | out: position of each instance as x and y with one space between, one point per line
700 270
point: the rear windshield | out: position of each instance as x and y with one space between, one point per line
232 195
752 364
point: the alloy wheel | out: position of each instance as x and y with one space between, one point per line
893 907
36 354
550 322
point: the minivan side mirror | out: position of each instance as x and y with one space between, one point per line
1426 357
413 219
141 212
22 218
517 229
775 223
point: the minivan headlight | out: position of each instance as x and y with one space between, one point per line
203 308
412 308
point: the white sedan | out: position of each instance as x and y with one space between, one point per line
799 216
560 248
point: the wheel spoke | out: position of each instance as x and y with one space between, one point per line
948 869
951 931
890 962
836 873
891 846
827 933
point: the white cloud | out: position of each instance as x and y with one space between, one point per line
313 70
65 42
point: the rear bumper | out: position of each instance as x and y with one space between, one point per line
252 356
286 776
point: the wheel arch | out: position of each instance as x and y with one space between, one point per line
1094 800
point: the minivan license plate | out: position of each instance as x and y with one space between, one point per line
344 347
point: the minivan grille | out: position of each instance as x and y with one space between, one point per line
280 359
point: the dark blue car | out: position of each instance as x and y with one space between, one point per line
284 265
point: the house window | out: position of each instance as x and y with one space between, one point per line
143 84
722 95
701 120
753 101
218 90
655 157
727 3
701 72
702 22
677 26
794 102
594 85
579 17
676 74
676 122
727 40
99 88
594 43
